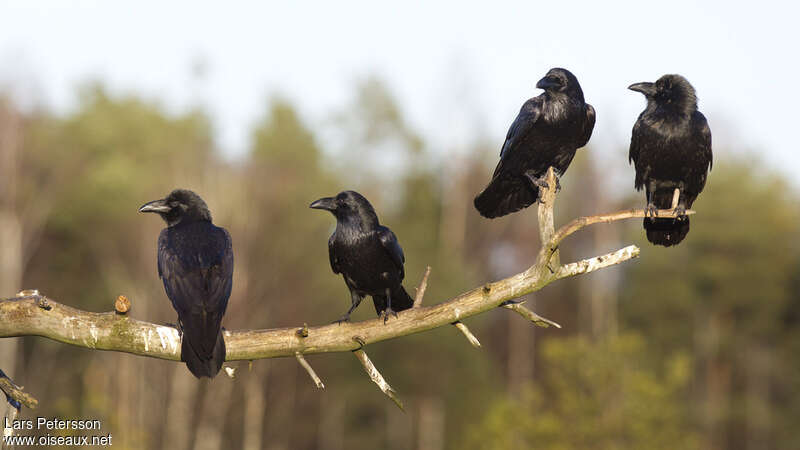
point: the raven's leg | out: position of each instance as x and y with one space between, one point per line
651 210
680 209
177 325
539 182
388 310
356 299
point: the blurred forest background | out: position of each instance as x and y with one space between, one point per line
693 347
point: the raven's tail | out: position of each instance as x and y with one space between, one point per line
400 300
506 194
203 347
666 232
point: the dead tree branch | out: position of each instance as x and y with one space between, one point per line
376 377
37 315
537 320
15 392
309 369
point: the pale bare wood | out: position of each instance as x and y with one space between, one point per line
377 378
16 392
462 327
423 285
523 311
546 213
310 370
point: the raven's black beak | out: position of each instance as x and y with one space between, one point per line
645 88
327 203
156 206
547 83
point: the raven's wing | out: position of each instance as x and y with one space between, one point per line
641 151
219 276
633 152
332 256
703 133
203 279
518 132
588 125
389 242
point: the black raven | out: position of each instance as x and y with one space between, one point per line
547 132
671 149
366 253
195 262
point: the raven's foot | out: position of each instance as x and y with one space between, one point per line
540 182
680 211
651 210
558 185
345 318
511 302
387 312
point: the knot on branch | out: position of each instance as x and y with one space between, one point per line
122 305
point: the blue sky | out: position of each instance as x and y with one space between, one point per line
460 69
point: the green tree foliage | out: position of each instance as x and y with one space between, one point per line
594 395
723 296
281 138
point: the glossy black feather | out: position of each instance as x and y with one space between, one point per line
547 132
195 263
366 253
670 148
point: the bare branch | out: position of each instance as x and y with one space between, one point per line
376 377
598 262
122 305
582 222
422 286
545 213
523 311
310 370
111 331
15 392
467 334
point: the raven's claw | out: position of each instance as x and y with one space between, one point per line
387 312
651 210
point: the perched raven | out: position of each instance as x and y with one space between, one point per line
366 253
547 132
195 262
671 149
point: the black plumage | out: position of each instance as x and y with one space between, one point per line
671 149
195 263
366 253
547 132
